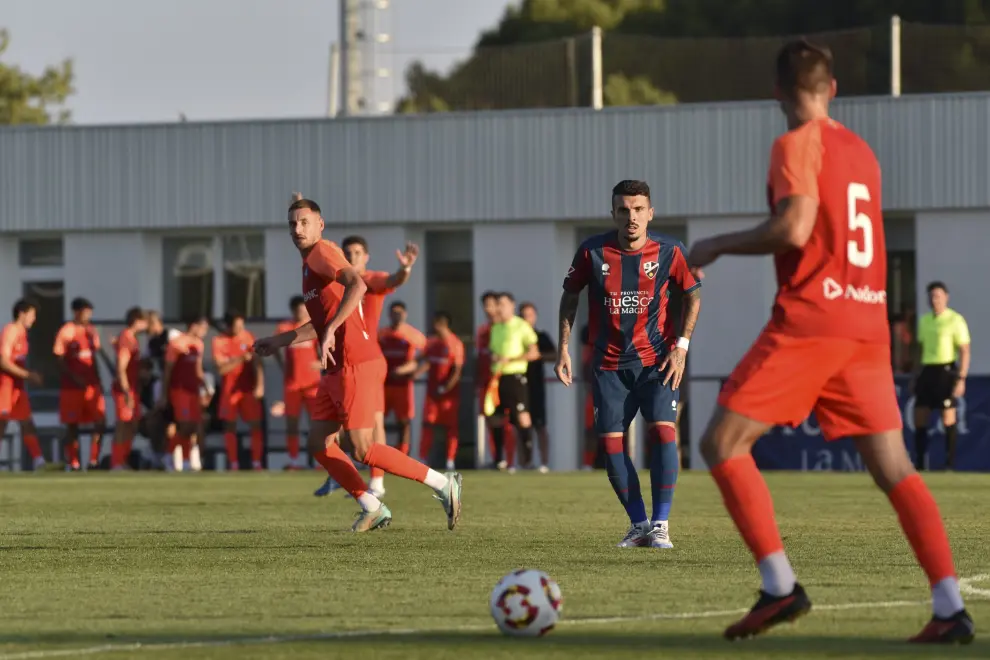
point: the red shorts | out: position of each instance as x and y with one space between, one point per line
848 384
442 411
399 401
14 404
352 396
126 413
296 399
589 411
239 404
82 406
186 406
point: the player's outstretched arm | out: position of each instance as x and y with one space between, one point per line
271 345
568 312
406 260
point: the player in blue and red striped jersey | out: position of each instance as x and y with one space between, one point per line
638 349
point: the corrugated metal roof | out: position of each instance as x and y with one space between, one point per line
523 165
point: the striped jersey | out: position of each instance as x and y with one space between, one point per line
628 296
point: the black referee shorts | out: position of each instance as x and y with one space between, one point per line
934 387
513 397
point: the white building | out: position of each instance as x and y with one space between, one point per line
190 217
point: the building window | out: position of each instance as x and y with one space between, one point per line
244 274
40 252
50 297
188 277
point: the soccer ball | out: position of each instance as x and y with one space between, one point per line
526 603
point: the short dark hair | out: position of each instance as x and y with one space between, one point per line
231 316
526 305
22 306
398 304
506 294
196 319
488 294
79 304
354 240
803 67
443 316
134 314
937 284
305 204
295 301
631 188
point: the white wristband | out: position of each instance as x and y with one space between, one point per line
682 342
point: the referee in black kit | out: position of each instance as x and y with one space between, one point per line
943 337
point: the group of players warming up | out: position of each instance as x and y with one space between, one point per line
826 347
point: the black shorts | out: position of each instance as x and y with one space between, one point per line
513 396
934 387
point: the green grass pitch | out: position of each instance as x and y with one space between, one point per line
253 566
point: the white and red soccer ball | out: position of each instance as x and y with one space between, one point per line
526 603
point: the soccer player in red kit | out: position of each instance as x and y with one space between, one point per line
826 347
639 352
181 383
14 403
301 371
333 291
443 361
81 398
242 387
126 386
380 284
401 343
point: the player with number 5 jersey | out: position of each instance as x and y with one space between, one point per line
825 349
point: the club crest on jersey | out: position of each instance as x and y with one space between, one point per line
650 268
604 269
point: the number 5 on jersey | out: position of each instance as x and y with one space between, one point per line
861 258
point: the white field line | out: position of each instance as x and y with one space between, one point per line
965 585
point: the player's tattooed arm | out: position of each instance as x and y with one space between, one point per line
692 308
568 312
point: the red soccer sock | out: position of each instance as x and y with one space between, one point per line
257 446
115 460
94 451
452 442
233 448
72 452
748 501
173 442
125 452
338 466
491 441
377 473
395 462
922 524
589 458
32 446
186 444
425 443
292 446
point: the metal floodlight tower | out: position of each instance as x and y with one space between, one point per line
365 73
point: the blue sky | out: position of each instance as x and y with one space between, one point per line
147 60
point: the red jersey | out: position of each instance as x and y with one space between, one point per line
400 345
77 345
443 355
185 352
127 345
13 339
374 299
302 362
834 286
243 377
483 373
323 294
628 296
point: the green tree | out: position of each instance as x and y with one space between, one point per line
27 99
538 55
622 91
